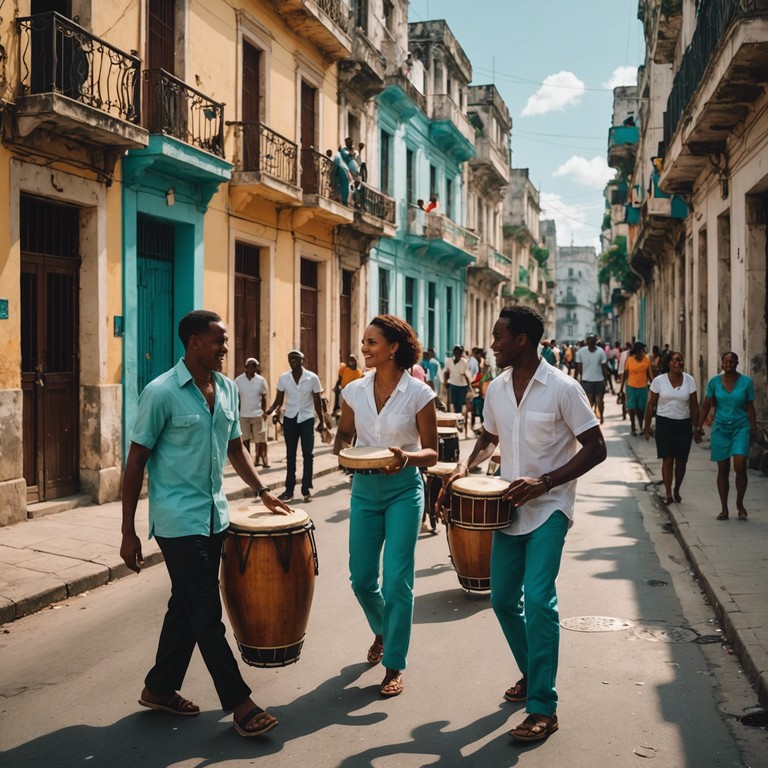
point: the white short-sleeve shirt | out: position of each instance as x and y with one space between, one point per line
251 391
538 436
674 402
457 372
591 363
299 398
395 424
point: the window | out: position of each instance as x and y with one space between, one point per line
410 300
389 15
383 291
385 153
432 180
570 271
431 293
410 197
449 311
449 198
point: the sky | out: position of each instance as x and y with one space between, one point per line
554 63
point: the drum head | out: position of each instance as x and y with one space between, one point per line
364 457
441 469
448 419
447 432
480 486
255 519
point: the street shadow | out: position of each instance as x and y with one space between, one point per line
448 605
158 740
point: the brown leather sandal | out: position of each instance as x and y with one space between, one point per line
375 653
519 691
535 728
392 685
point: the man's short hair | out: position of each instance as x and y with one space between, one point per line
195 323
524 320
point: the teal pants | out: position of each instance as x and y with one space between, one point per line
386 514
529 564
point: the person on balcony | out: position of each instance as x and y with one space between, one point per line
433 205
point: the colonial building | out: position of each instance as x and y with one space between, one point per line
577 292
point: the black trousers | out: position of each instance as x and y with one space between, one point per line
295 431
194 618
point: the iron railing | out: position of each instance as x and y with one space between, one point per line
266 151
175 109
337 11
715 18
317 174
58 56
373 202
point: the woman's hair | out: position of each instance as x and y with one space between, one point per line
725 354
638 347
396 330
656 350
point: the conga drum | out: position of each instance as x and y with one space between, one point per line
434 482
365 460
447 445
477 509
448 419
494 465
268 569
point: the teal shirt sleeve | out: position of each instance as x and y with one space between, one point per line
152 414
750 389
711 388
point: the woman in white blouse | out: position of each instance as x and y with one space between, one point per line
388 409
673 395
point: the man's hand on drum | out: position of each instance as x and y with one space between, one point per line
398 463
444 497
273 504
130 551
524 489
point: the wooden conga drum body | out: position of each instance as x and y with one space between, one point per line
447 445
268 570
476 511
434 481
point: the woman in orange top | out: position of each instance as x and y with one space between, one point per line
637 377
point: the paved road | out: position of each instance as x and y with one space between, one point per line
71 674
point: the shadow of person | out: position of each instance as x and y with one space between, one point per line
158 740
449 605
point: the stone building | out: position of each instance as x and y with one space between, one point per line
577 292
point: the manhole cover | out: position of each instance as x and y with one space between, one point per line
756 720
707 639
664 634
595 624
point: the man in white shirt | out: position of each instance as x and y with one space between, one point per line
592 371
300 390
538 416
253 389
456 379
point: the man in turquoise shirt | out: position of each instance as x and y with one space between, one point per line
186 428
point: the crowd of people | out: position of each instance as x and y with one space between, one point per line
541 404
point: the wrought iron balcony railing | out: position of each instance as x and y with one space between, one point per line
337 11
373 202
714 19
58 56
318 174
176 109
265 151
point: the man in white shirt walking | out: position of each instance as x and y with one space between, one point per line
456 377
300 390
253 389
548 436
592 371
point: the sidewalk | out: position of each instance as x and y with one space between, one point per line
47 559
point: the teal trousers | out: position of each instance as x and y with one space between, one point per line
524 599
386 515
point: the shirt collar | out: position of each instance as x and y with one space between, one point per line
401 385
541 374
183 376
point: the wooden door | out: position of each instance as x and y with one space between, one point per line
247 304
345 316
50 375
308 134
155 246
308 319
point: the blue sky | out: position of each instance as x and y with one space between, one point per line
553 62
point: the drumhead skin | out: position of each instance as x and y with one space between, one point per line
480 486
448 432
253 519
441 469
363 457
448 419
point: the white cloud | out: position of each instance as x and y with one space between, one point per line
622 76
590 173
576 224
555 94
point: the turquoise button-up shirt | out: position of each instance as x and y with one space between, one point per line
189 451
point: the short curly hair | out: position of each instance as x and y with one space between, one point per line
396 330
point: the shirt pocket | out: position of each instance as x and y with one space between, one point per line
181 429
540 428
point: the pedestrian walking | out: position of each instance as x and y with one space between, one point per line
456 379
592 371
388 409
538 416
299 390
732 394
186 429
636 377
673 398
253 391
348 371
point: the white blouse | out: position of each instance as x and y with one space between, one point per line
396 423
674 402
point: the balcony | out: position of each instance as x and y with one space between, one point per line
364 71
722 74
491 163
324 23
569 300
622 147
327 194
374 212
74 85
267 168
665 27
450 128
402 96
436 236
492 266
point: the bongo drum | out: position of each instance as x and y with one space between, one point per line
365 460
434 482
268 569
476 511
447 444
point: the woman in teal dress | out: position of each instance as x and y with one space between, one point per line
732 394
